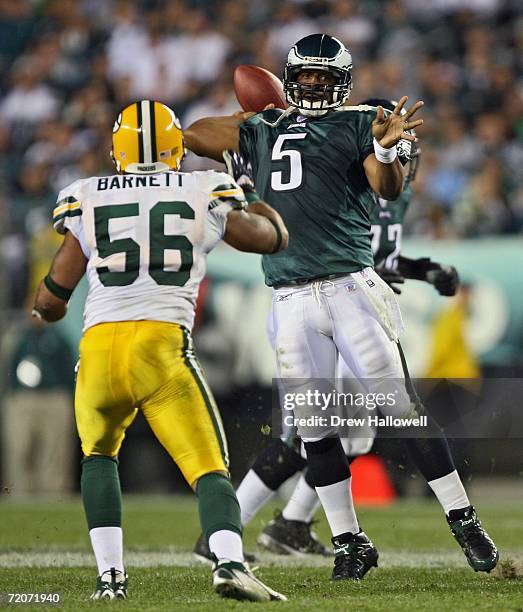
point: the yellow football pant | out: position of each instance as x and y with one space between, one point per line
151 366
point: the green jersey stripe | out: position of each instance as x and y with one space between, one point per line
67 200
68 213
192 363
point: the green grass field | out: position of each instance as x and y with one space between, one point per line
44 547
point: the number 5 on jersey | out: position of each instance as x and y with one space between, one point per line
158 244
293 175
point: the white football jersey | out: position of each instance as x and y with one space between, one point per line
146 238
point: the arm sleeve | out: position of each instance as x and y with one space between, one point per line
67 215
225 196
227 191
68 211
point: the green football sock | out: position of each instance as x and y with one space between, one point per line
101 494
217 505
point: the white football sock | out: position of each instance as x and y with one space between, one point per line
450 492
107 545
226 544
302 504
337 503
252 494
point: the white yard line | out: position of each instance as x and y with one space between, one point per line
186 559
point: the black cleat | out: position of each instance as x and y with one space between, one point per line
481 552
285 537
354 555
203 553
112 584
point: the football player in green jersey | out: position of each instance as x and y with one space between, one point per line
319 164
290 531
387 229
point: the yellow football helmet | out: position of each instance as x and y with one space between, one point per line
147 138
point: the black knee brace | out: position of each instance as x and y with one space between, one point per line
327 462
277 463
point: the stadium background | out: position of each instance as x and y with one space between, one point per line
67 67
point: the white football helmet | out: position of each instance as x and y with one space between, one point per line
318 52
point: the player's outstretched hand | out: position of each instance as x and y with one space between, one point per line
391 277
239 169
389 130
445 280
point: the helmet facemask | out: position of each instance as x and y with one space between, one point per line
409 153
316 99
414 160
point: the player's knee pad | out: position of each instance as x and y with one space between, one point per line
217 505
327 462
278 462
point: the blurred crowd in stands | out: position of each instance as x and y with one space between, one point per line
68 66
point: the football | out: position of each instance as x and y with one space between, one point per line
256 87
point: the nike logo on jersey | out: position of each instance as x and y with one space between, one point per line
292 125
282 298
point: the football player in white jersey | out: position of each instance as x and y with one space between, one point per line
142 237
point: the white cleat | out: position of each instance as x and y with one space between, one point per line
235 581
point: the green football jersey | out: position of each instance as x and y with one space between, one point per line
310 169
387 227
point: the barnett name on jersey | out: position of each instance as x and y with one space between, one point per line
310 169
146 238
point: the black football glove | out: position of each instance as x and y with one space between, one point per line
239 169
445 280
391 277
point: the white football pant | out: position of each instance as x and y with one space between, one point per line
353 319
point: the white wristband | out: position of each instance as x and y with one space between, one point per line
383 155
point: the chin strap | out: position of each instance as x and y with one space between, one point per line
288 111
307 112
